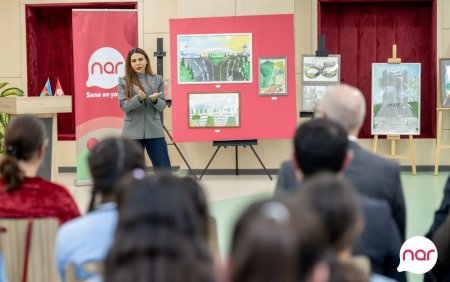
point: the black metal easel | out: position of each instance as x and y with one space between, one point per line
236 144
160 54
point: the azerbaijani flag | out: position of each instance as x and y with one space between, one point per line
47 90
58 90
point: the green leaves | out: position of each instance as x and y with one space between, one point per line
4 118
12 91
3 84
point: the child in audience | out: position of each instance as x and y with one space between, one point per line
159 236
195 192
278 240
337 206
265 244
87 239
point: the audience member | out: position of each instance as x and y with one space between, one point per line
441 238
370 174
441 213
321 145
288 181
278 240
320 140
23 193
87 238
264 246
195 193
338 208
158 236
440 218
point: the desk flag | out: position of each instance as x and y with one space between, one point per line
58 89
47 90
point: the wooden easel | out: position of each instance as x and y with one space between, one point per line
394 138
439 147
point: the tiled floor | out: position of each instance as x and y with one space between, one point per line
229 195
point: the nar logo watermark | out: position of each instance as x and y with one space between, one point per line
105 66
417 255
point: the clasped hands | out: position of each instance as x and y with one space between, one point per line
142 96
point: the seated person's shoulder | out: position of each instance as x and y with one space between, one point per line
375 159
371 204
287 165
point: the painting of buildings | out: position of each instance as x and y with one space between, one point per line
214 110
396 99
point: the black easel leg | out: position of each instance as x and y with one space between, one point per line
179 152
237 162
212 158
254 152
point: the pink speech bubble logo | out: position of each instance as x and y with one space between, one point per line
417 255
105 66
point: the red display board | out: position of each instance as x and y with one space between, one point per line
261 117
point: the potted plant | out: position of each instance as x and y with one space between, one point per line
4 118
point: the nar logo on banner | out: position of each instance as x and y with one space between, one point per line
106 65
417 255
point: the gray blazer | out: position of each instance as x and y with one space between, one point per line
142 120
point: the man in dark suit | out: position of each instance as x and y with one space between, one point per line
370 174
322 145
287 181
439 234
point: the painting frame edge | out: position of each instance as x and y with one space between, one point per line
445 103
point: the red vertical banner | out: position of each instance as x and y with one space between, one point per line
101 40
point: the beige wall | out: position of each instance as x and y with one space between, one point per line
153 23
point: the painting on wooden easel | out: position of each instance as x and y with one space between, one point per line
445 82
396 99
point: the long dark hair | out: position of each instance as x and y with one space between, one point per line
195 192
265 244
131 76
158 237
277 240
24 137
109 160
337 205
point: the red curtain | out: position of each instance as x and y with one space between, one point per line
49 51
363 32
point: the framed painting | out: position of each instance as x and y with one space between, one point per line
444 65
396 99
214 58
272 76
321 70
311 94
214 110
